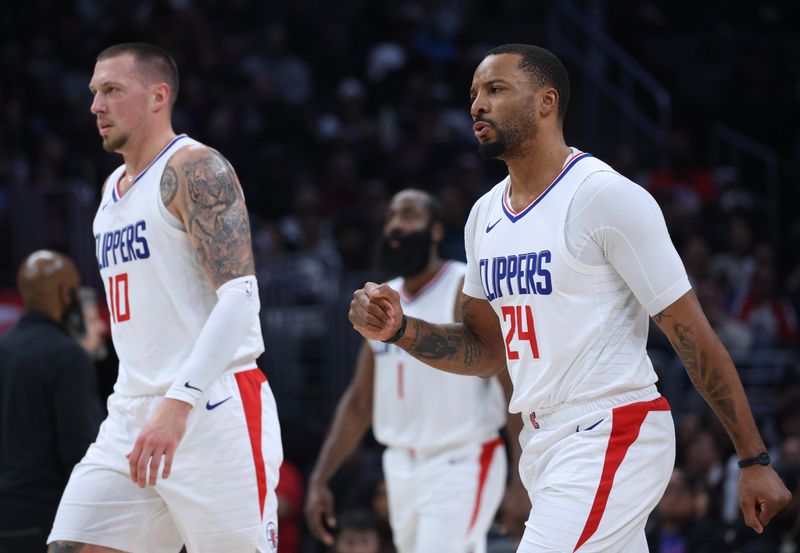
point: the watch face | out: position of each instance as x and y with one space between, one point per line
763 459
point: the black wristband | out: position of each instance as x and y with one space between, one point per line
400 332
760 459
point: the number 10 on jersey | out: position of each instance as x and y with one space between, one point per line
118 303
523 328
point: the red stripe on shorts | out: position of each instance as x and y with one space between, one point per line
626 423
487 452
250 389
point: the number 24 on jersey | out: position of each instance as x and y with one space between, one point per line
522 330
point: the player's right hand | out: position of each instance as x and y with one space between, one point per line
376 312
319 512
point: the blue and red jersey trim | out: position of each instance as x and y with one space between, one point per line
514 216
115 194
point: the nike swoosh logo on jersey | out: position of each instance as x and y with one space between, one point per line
211 406
490 227
578 428
187 385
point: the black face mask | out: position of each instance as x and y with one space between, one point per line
411 255
73 319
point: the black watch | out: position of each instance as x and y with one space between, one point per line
400 332
760 459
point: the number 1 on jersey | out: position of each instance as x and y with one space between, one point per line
528 333
118 298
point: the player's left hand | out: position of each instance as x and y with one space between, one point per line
762 495
158 438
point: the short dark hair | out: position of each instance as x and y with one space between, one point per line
543 67
434 208
155 63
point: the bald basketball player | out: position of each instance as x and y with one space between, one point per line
49 407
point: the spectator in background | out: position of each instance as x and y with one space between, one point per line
358 533
49 408
768 315
736 264
679 523
290 507
734 335
703 462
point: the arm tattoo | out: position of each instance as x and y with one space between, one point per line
443 345
217 219
169 185
659 317
65 547
705 378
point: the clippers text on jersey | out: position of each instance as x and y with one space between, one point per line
516 274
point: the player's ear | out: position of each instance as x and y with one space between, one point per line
548 102
160 96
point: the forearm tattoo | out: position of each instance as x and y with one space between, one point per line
217 218
707 379
451 342
65 547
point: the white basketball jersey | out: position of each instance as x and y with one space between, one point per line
418 407
572 331
158 297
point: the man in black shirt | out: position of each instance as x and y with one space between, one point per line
49 405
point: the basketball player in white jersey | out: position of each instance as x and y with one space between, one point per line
566 258
190 405
445 465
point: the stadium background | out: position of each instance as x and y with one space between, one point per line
327 108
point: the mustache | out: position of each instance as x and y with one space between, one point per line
481 119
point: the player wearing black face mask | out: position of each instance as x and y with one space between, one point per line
49 405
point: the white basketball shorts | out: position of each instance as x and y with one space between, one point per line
594 472
444 502
220 496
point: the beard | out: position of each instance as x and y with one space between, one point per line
509 137
409 257
113 144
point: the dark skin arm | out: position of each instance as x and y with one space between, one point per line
761 491
200 188
350 423
472 347
516 504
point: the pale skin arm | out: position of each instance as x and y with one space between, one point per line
761 491
472 347
352 419
201 189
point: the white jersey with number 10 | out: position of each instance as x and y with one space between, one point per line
158 297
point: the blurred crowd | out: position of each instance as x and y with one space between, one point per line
327 108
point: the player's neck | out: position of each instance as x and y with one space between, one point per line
415 283
142 152
533 172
